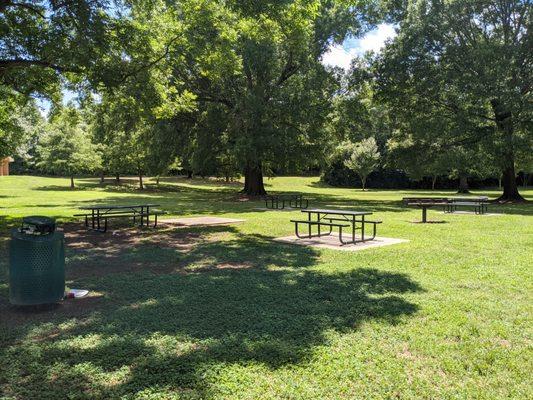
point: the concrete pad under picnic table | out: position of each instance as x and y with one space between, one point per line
201 221
332 242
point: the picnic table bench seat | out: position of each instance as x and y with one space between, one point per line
96 216
106 217
355 220
480 207
330 225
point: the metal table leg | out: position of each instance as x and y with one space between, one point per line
353 228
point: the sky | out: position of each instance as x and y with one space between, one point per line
338 55
342 55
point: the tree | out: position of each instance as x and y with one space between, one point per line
19 122
45 42
363 159
66 148
469 63
466 162
417 159
260 63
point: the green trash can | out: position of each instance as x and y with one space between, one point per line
36 263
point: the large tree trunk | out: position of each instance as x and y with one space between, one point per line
189 174
504 125
463 184
253 180
71 181
102 177
117 178
510 188
433 182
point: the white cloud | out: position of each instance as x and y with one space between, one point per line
342 55
338 56
375 39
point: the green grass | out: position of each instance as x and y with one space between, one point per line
228 313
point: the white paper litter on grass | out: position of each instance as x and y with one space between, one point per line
78 293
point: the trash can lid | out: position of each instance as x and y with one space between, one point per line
39 223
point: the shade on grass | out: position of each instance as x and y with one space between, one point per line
225 312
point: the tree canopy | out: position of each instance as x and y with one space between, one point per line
258 64
363 158
459 74
238 88
66 149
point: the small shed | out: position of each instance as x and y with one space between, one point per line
4 166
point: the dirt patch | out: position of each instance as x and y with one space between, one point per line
132 249
92 255
406 353
18 315
76 237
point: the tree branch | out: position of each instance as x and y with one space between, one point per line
210 99
25 63
26 6
4 4
151 63
289 70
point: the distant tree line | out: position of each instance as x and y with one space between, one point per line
237 89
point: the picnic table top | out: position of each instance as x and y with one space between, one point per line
468 203
117 207
426 203
336 212
469 198
454 198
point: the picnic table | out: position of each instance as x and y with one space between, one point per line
354 220
295 200
425 203
97 215
449 204
479 203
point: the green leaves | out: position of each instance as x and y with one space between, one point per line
66 147
44 41
19 121
450 63
363 157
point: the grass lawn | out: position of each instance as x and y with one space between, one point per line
225 312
